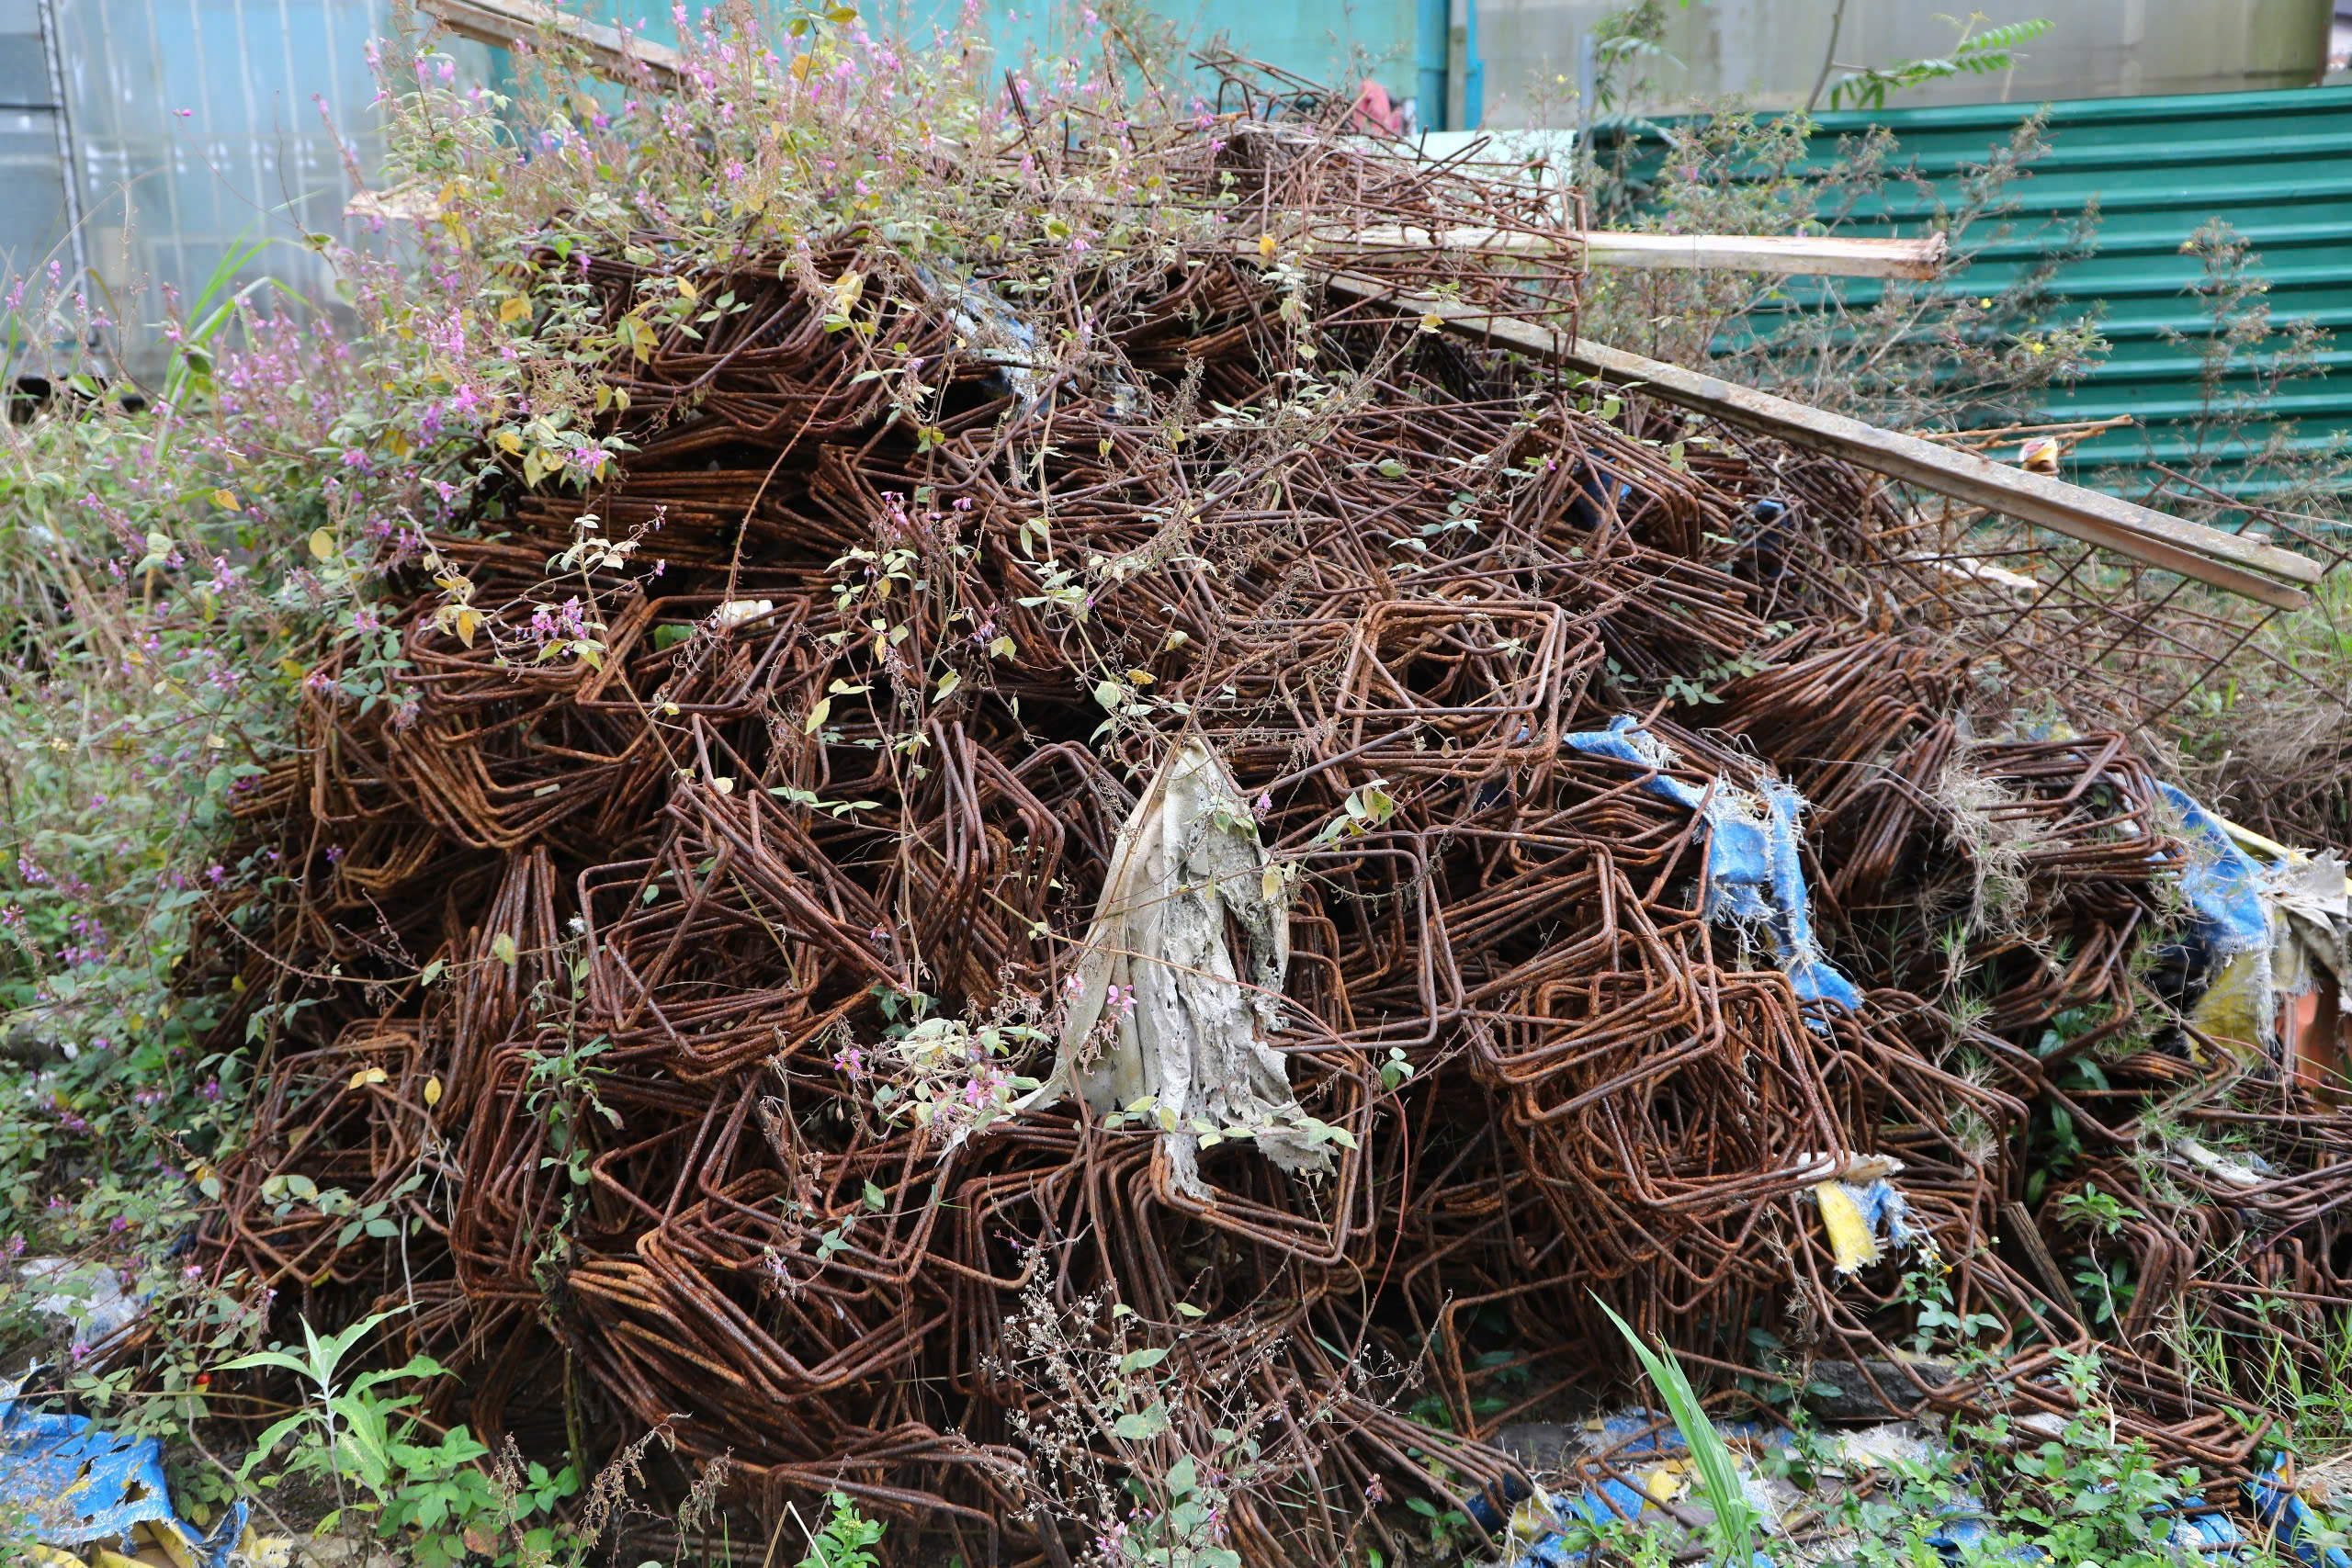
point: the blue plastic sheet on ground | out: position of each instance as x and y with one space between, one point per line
2221 883
1754 875
1636 1433
80 1483
2199 1529
2290 1519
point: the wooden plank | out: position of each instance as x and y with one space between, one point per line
501 22
2249 567
1784 254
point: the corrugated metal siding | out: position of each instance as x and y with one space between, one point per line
32 184
2276 166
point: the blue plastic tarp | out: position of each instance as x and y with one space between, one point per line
79 1484
1754 874
2221 883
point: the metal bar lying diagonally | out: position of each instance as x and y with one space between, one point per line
500 23
2224 560
1821 255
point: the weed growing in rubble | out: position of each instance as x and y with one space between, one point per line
1148 1448
844 1539
431 1495
1732 1520
2069 1493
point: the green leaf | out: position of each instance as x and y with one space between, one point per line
875 1199
1140 1425
1733 1526
503 948
1141 1360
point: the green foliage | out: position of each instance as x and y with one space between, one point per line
1732 1519
430 1493
2070 1495
1987 53
844 1542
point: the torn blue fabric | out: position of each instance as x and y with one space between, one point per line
79 1484
2221 883
1888 1213
1753 871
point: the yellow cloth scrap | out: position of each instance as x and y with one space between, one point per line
1850 1241
2234 1006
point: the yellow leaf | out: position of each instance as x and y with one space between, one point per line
818 715
1266 246
1270 884
510 442
321 544
687 288
225 497
848 289
1139 677
367 1076
514 311
1431 321
466 617
503 948
432 1092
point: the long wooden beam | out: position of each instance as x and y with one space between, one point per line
501 22
2240 565
1784 254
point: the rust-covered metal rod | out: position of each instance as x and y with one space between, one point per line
1824 256
500 23
2257 570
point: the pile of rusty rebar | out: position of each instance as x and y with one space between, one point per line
613 920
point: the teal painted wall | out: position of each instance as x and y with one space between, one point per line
1338 42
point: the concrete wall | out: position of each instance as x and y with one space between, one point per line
1769 51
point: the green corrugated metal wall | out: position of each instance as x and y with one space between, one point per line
2276 165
